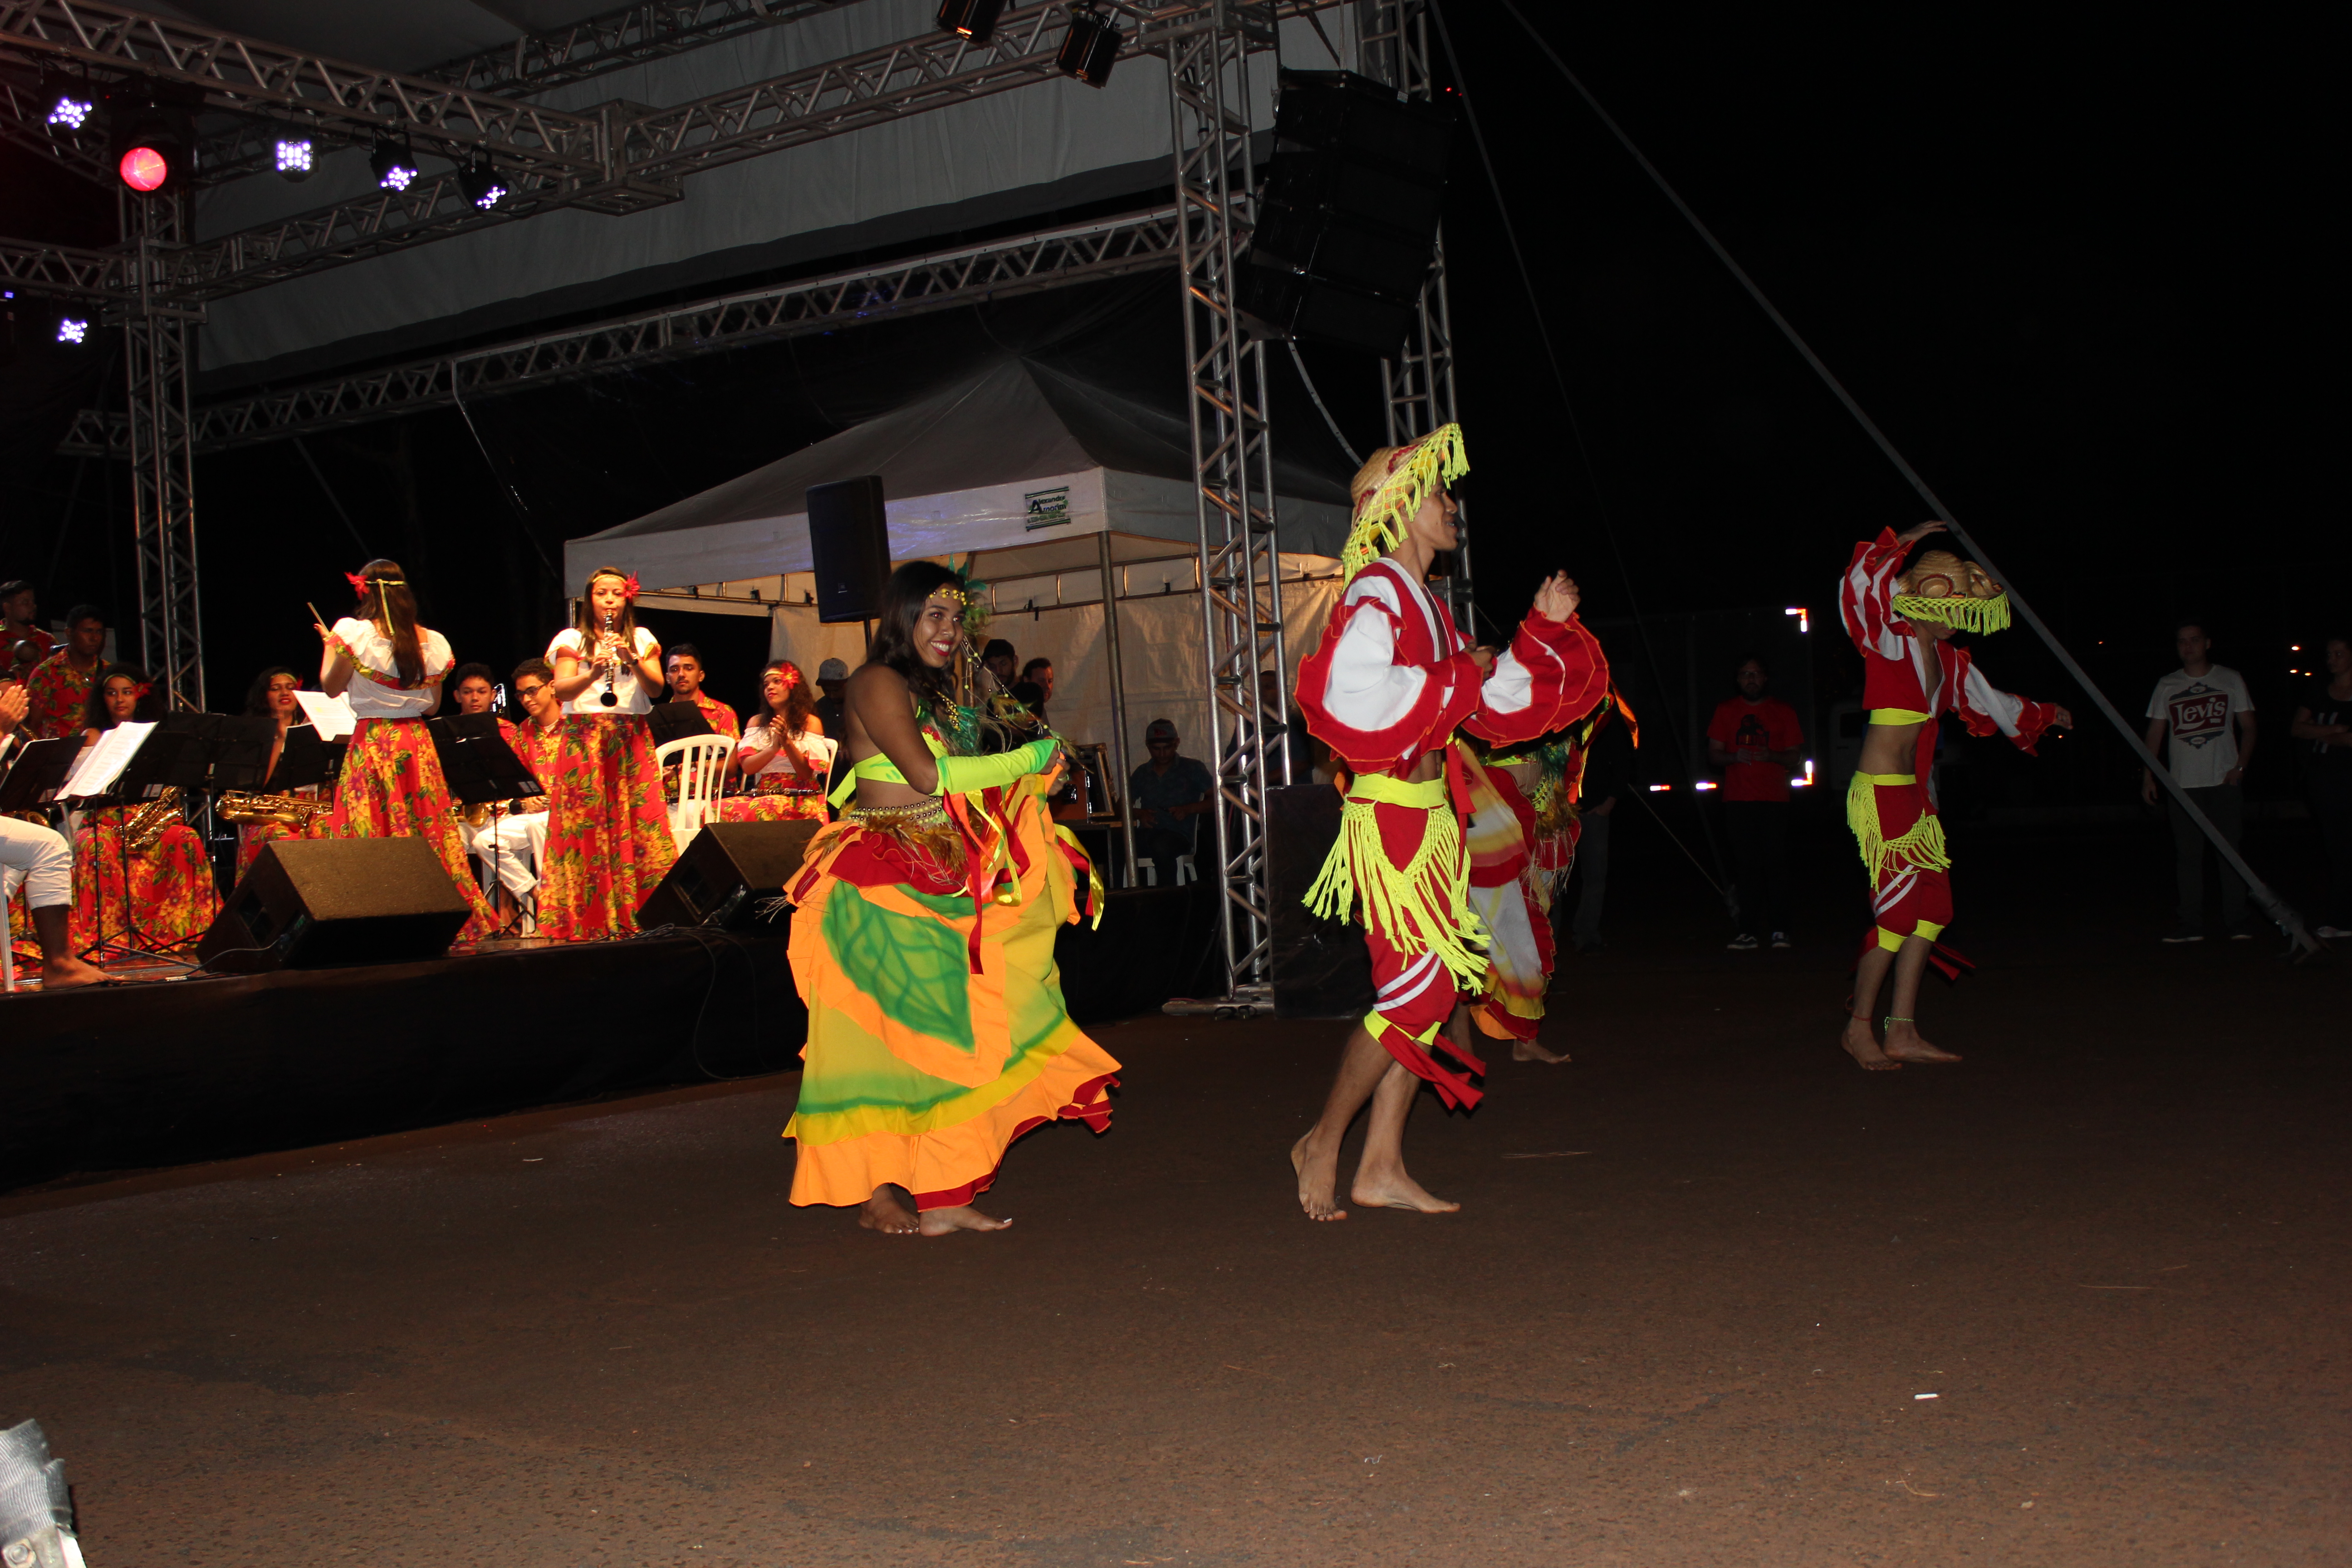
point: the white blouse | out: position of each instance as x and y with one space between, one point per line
375 691
815 749
626 687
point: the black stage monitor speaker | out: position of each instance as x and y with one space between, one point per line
850 546
318 903
725 873
1321 968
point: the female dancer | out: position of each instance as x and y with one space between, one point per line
784 752
271 696
158 897
608 839
924 945
391 786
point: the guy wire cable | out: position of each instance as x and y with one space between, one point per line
1576 429
1308 380
2300 942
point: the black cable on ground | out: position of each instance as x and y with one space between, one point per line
2300 941
1576 429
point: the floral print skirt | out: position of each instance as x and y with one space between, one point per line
608 839
392 787
158 901
777 800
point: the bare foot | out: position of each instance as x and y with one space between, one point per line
70 975
1904 1044
887 1212
1528 1051
963 1217
1860 1044
1318 1180
1395 1190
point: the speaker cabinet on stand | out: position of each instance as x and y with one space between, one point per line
849 548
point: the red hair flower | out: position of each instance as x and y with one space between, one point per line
789 675
629 587
142 692
359 582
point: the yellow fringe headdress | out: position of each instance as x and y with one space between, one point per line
1943 588
1389 487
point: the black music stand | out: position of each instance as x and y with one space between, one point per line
40 771
481 767
168 758
304 760
677 721
234 746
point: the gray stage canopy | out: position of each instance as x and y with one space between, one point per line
1006 157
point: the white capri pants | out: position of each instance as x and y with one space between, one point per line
44 857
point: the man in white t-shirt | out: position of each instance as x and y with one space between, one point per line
2209 717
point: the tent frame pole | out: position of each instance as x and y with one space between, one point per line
1232 460
1118 709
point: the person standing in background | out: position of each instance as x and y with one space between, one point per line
59 687
2210 715
2323 734
1756 742
1000 661
833 680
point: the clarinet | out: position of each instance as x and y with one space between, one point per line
607 698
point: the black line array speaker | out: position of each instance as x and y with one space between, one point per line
725 873
849 547
1348 218
320 903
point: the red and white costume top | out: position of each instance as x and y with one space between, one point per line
1393 680
1916 677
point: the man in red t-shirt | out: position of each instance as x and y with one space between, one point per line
1758 742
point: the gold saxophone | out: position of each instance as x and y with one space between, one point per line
145 825
288 810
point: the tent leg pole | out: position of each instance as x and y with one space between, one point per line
1117 708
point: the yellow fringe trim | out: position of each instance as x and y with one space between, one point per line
1921 846
1380 517
1959 612
1424 907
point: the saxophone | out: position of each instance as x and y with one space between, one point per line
145 825
286 810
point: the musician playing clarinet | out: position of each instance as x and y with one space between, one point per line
608 839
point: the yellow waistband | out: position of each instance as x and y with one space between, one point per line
1899 716
1386 790
1888 778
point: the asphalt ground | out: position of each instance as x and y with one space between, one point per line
1705 1278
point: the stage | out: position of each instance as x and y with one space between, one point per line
166 1071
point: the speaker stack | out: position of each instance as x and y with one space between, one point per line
849 548
320 903
725 873
1348 218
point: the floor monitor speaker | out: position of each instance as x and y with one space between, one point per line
726 872
849 548
320 903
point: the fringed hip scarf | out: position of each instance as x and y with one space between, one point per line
1919 845
1422 906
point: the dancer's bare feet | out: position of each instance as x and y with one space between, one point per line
1392 1189
1863 1047
963 1217
1904 1044
888 1212
1318 1179
1528 1051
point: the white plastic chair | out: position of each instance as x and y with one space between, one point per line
701 767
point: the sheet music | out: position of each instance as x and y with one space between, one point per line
331 716
98 766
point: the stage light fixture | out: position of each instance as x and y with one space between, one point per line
394 165
72 329
1089 48
144 169
974 19
481 184
71 109
295 155
152 142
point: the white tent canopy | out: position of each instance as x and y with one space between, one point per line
1042 479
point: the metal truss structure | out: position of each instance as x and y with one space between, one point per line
163 474
1417 388
1232 460
615 39
1030 263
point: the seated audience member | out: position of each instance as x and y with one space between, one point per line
1168 794
785 753
41 856
59 687
683 665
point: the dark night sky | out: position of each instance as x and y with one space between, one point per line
2075 274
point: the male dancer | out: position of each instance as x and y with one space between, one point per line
1387 687
1902 625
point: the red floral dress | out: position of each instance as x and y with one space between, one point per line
608 839
158 900
778 794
